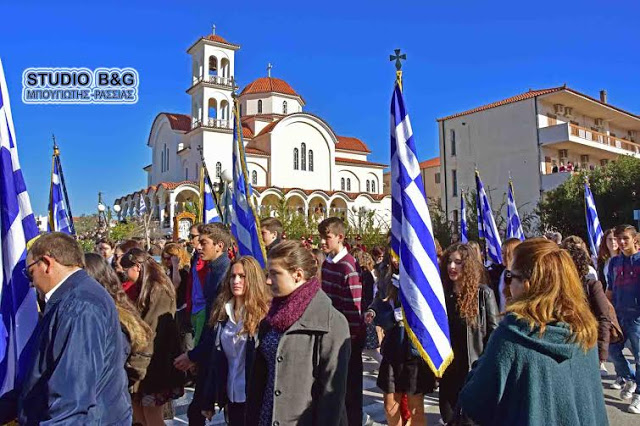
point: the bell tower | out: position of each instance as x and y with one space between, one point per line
212 86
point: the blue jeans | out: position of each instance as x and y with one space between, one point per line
631 329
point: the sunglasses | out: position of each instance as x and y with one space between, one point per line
508 276
26 271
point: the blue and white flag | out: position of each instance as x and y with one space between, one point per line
421 292
514 226
487 228
210 212
143 206
18 308
593 223
463 220
59 218
245 226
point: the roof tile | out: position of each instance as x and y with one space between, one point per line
269 85
351 144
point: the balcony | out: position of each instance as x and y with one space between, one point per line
216 80
213 123
566 136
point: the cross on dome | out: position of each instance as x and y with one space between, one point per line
269 66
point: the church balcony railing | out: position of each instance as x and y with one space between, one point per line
215 79
213 123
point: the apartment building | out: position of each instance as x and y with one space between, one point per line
537 137
431 177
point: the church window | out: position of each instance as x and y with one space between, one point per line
254 178
295 158
166 158
348 184
284 107
186 174
303 156
368 186
342 184
259 107
373 186
162 159
310 160
218 169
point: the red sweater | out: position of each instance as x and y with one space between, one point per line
341 282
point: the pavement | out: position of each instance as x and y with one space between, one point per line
374 409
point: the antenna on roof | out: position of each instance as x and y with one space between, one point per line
269 66
213 29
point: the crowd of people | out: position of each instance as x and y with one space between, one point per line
125 329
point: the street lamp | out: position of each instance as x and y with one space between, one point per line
227 176
117 209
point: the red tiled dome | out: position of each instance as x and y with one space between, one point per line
268 85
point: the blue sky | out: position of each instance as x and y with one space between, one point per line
334 53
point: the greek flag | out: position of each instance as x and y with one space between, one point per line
463 220
593 223
487 228
209 210
514 226
143 206
245 226
59 217
421 292
18 309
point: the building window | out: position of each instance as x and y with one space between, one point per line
186 174
259 107
254 178
166 157
454 180
368 186
310 160
342 184
373 186
295 158
348 184
437 178
284 107
162 160
218 169
452 136
303 155
456 219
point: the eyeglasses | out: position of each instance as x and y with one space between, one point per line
26 271
508 276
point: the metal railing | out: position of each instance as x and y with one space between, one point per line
595 136
215 79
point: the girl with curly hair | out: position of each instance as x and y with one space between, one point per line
473 314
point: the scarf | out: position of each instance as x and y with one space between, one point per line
287 310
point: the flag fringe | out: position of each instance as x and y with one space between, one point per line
414 339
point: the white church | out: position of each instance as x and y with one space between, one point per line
290 154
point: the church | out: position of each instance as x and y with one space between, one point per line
290 153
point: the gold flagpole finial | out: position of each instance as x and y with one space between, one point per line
56 150
398 58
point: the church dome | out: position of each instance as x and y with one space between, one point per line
269 85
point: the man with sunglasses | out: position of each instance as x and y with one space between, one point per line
76 375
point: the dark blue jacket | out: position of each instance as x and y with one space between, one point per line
77 375
215 386
217 270
624 281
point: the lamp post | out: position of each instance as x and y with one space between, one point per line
117 209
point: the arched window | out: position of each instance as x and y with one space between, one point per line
218 169
284 107
186 174
348 184
162 159
259 107
303 154
368 186
254 178
166 158
373 186
342 184
295 158
310 160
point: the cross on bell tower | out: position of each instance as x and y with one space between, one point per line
269 66
398 58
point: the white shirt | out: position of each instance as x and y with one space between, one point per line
234 346
593 274
48 294
338 257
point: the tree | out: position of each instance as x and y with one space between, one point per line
616 192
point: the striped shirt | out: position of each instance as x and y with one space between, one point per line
341 282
